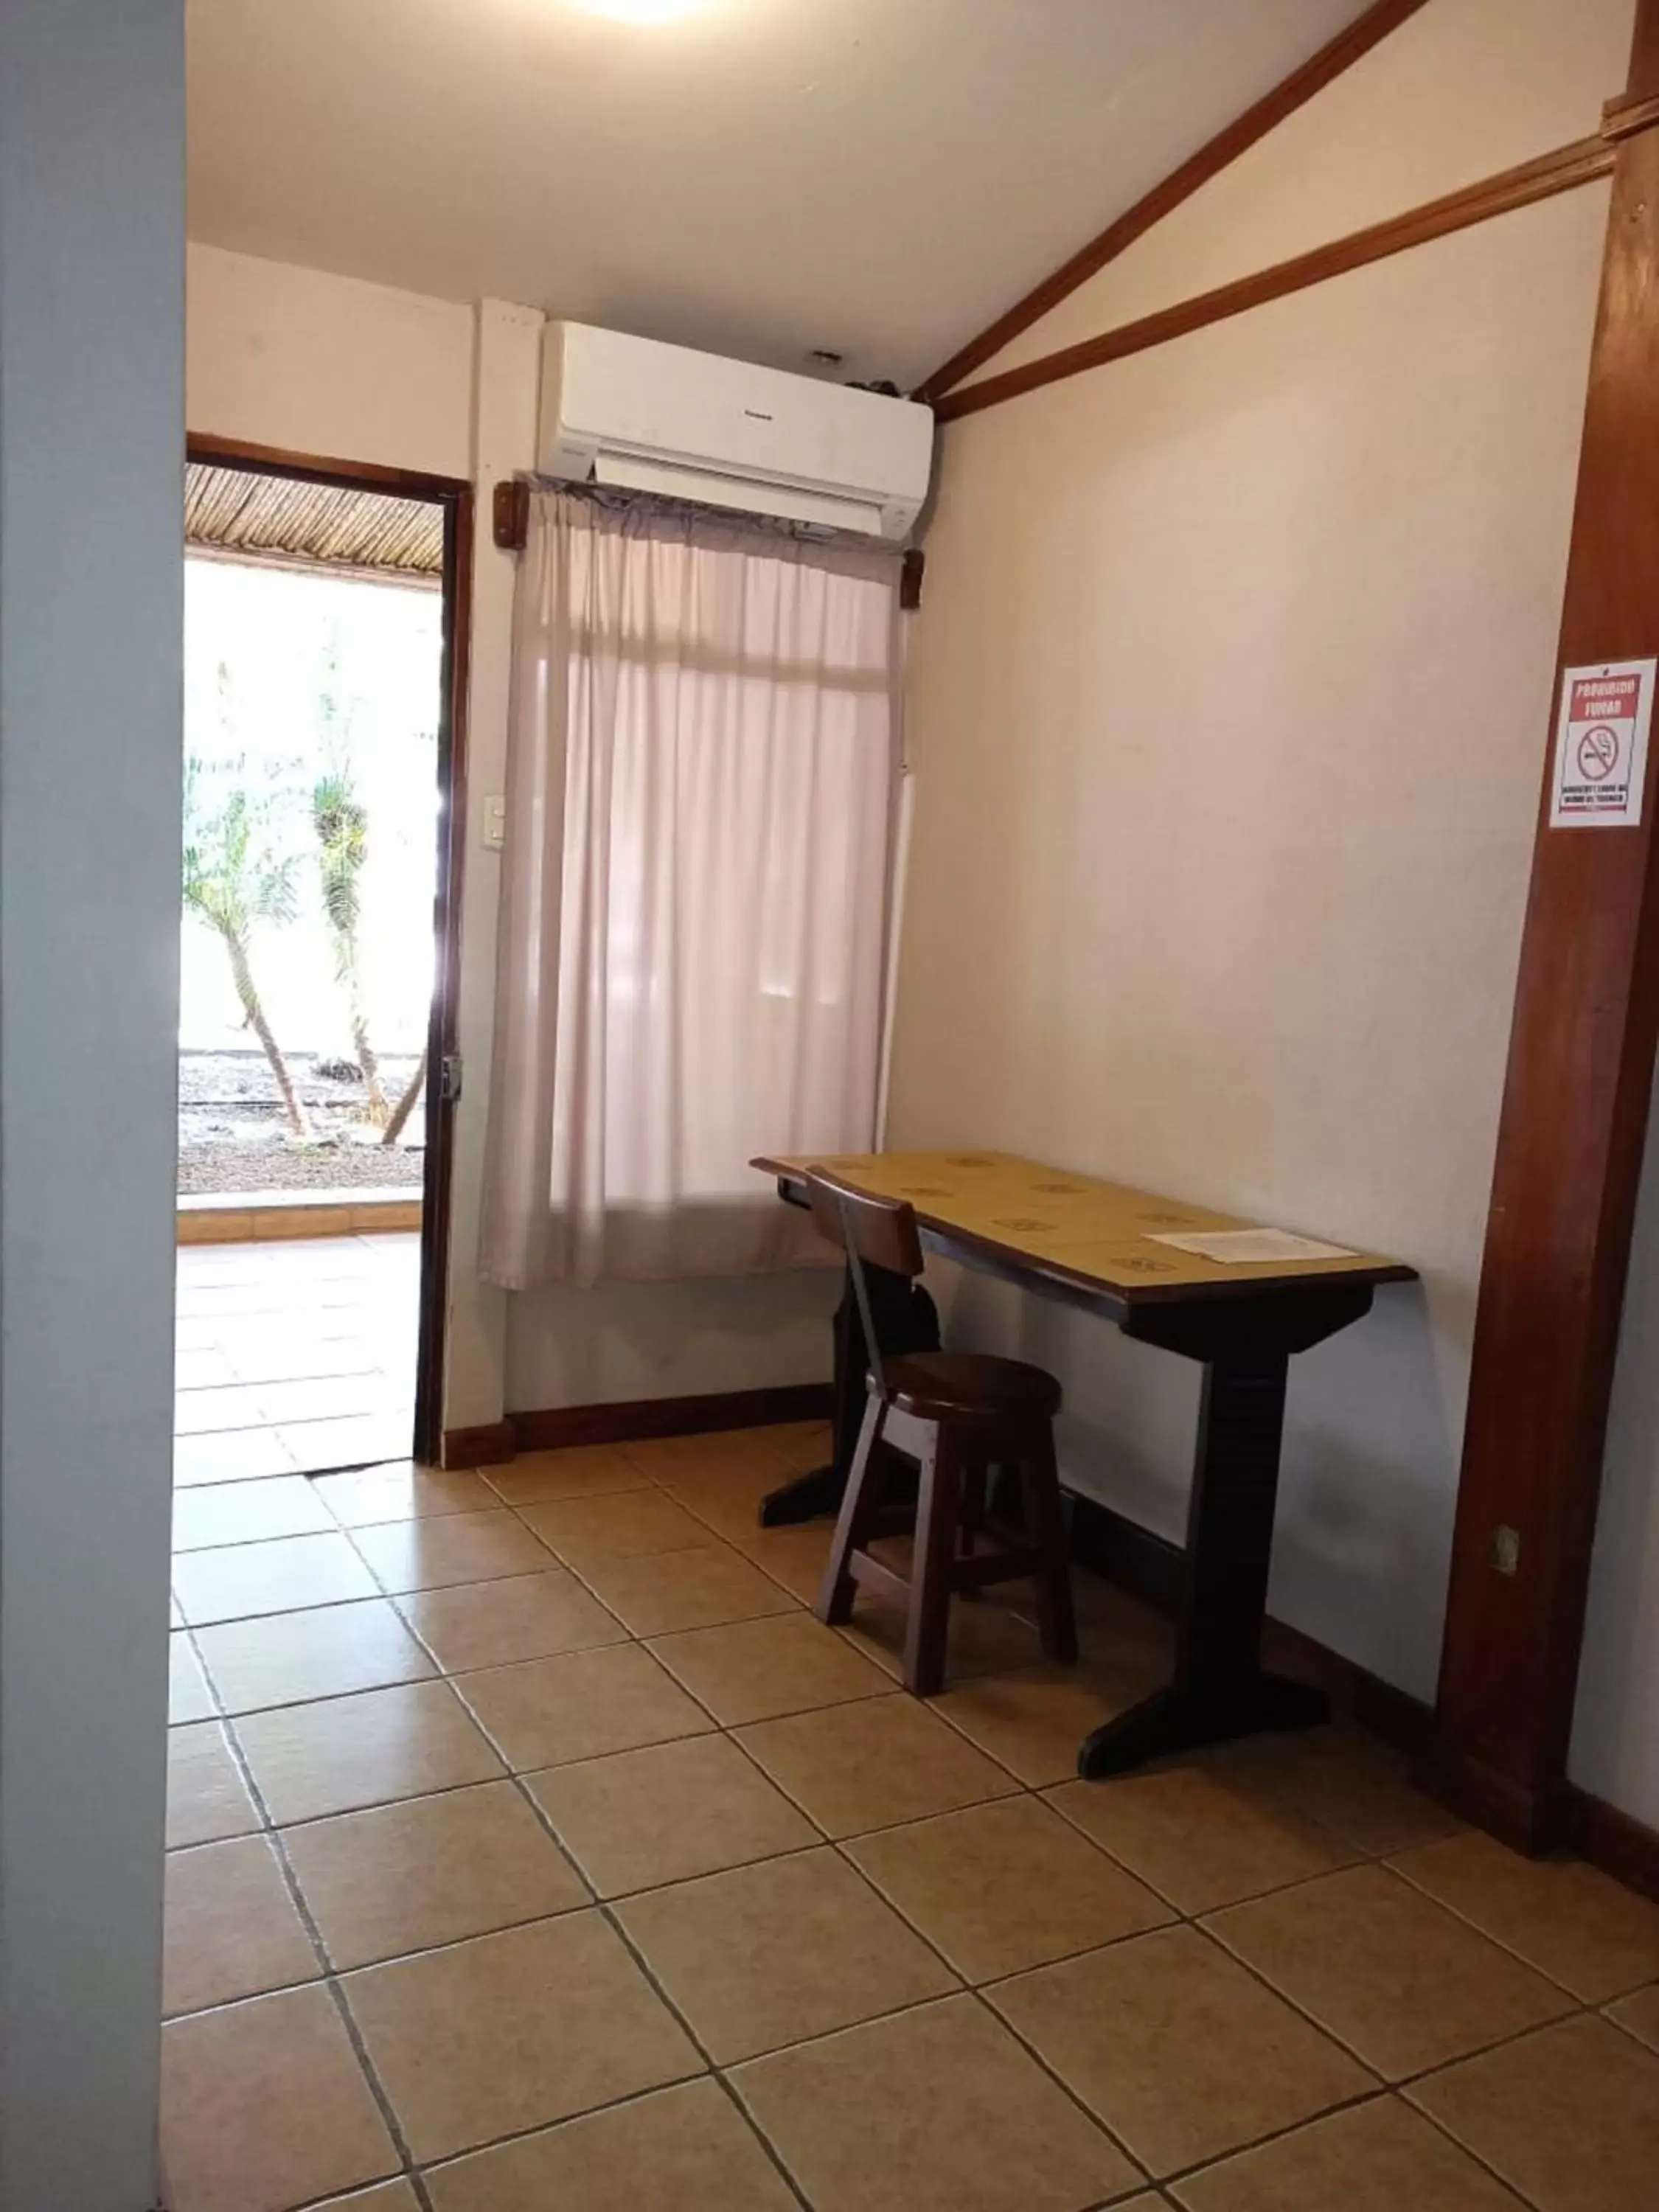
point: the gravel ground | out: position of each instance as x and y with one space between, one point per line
232 1135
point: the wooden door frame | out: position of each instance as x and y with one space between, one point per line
454 495
1574 1122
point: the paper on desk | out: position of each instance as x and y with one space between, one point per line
1245 1246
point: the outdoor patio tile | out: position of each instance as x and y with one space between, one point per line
230 1456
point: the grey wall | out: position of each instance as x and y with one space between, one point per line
91 414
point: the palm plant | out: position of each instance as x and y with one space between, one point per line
341 822
237 880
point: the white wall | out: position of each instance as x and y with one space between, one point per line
91 393
1615 1743
1231 687
324 364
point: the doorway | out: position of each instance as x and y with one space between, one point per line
325 627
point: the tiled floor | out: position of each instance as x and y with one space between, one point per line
537 1852
293 1356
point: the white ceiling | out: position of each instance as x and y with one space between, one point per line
759 177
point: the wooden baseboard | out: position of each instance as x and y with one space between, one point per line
1121 1551
1155 1570
631 1420
481 1447
1610 1839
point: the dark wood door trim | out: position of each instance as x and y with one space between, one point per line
1574 1120
455 495
1561 171
1347 47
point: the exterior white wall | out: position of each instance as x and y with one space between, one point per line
328 366
91 419
324 364
1231 687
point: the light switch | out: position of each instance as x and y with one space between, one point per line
495 823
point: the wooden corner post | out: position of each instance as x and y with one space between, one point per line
1576 1093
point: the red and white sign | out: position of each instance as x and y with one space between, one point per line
1602 745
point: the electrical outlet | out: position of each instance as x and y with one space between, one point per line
1506 1549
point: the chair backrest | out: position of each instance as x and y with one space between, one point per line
873 1233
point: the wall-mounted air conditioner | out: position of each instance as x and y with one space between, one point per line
653 417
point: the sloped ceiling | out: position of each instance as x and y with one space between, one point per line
757 177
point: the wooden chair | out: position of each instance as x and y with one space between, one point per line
959 1415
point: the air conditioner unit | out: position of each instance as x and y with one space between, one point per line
633 412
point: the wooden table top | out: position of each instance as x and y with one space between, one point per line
1080 1231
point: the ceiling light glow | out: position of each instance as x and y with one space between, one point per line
642 11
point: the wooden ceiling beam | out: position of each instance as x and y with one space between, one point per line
1347 47
1580 163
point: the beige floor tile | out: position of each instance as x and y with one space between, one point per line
428 1870
232 1930
1349 1783
1377 2157
1591 1935
1200 1835
1402 1982
1183 2054
1570 2117
495 1624
202 1368
401 1491
624 1524
1034 1721
937 2111
230 1456
274 1577
678 2150
284 1658
755 1670
771 1953
985 1636
399 2196
512 2032
800 1445
692 1588
1639 2016
207 1798
722 1451
794 1558
264 2106
246 1513
729 1500
455 1547
581 1705
311 1760
1004 1886
188 1696
873 1765
584 1471
665 1814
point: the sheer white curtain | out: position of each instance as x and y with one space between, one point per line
701 780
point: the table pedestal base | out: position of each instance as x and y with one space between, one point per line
1181 1720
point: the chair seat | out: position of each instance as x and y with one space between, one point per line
962 1385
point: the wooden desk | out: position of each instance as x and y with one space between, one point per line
1100 1246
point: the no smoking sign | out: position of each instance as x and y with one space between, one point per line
1602 745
